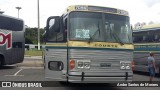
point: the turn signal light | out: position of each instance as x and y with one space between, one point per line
72 64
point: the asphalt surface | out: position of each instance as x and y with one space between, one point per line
32 70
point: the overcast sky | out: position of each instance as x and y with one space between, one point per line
139 10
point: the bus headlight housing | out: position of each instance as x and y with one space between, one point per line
122 66
125 65
83 64
86 65
128 66
80 64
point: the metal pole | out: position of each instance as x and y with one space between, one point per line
18 13
38 25
18 8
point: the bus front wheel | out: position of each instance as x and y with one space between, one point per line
159 72
1 60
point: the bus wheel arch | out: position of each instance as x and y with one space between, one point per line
1 59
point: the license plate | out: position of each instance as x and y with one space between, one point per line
105 65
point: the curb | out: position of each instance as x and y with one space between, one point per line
33 57
32 61
31 64
27 55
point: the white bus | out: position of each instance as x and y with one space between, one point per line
12 40
146 40
89 44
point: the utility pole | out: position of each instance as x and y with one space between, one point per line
18 8
38 25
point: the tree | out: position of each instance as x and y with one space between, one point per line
142 24
137 25
151 22
31 35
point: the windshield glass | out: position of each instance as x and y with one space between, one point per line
100 27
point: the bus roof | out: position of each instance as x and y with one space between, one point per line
96 9
11 17
151 26
148 28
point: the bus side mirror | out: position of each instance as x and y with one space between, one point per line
52 28
53 24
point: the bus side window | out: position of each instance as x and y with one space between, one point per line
65 30
156 38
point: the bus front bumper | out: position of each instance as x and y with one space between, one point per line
77 79
101 77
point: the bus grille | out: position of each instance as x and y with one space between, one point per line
98 57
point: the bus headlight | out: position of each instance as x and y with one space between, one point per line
83 64
128 66
122 66
86 65
125 65
80 64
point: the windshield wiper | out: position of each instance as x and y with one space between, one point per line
117 38
115 35
91 37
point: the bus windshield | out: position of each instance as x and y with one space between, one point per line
100 27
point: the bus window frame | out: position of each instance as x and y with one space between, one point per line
151 36
60 29
103 21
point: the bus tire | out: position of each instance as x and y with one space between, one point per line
1 60
159 72
63 82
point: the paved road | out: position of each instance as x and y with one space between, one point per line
35 72
23 73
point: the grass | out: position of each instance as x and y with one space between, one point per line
33 53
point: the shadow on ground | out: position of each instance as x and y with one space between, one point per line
8 67
144 73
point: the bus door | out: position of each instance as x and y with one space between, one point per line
55 57
55 63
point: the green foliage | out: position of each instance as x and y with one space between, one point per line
31 35
33 53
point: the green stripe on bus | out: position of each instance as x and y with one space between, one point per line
87 48
148 51
55 47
